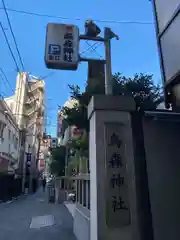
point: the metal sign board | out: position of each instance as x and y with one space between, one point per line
167 20
62 46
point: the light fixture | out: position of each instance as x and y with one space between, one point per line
91 29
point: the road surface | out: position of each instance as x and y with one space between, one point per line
33 218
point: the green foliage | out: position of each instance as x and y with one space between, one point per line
57 163
78 163
80 153
80 144
146 94
79 108
141 87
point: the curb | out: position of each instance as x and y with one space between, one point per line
13 199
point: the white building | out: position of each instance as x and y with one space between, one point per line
44 155
65 132
9 140
27 105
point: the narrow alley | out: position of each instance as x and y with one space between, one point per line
32 217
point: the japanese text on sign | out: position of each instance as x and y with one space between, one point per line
54 52
117 210
62 46
68 46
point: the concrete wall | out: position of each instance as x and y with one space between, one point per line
81 224
81 220
162 146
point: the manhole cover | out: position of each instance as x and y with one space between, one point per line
42 221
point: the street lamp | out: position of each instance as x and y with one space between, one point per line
91 29
91 33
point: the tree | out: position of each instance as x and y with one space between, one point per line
80 144
141 87
146 94
57 163
79 154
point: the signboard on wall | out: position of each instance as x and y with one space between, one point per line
167 18
62 46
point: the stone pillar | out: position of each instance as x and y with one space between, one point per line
112 189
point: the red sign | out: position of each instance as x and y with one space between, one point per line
76 132
41 163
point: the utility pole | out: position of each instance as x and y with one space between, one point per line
24 158
108 71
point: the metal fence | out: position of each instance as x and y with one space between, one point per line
82 189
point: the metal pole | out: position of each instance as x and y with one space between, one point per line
108 71
24 171
66 160
23 155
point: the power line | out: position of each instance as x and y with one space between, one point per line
12 54
94 45
15 42
3 81
14 38
6 80
94 49
77 19
17 67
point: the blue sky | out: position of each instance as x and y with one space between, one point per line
135 52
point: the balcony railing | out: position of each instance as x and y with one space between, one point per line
32 100
36 85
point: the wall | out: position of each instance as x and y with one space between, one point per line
81 226
19 98
9 147
67 136
162 144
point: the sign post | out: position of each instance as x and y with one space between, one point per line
62 47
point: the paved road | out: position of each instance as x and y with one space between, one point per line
32 218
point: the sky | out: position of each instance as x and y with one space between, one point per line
135 52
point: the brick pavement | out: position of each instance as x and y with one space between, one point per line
33 218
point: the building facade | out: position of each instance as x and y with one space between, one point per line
59 123
44 155
27 105
64 131
9 140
